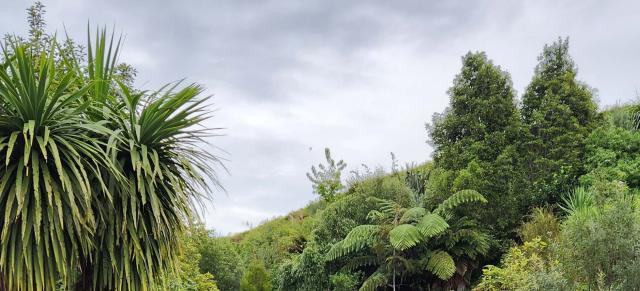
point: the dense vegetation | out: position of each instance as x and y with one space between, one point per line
100 180
536 194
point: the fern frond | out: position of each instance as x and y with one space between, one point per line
387 207
336 251
377 279
460 197
413 215
404 236
441 264
357 239
375 215
361 261
431 225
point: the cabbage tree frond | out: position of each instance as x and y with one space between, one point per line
580 199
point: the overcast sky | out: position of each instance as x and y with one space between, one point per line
361 77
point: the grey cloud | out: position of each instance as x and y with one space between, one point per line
361 77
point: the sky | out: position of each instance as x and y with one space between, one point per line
289 78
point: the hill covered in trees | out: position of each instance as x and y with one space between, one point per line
530 193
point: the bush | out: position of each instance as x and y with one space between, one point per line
602 242
255 278
525 267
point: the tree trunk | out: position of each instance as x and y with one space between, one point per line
394 271
3 283
85 279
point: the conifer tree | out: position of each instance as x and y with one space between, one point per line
558 112
482 117
475 142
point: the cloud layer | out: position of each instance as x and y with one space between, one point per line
360 77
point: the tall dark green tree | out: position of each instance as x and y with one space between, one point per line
482 117
559 112
474 142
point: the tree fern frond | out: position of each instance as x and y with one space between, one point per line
355 263
431 225
460 197
413 215
376 280
387 207
441 264
357 239
375 215
404 236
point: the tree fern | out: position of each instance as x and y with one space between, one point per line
408 229
388 207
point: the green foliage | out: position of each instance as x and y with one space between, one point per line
388 243
155 148
255 278
613 154
344 282
441 264
602 243
49 178
460 197
219 257
482 116
358 238
307 271
542 224
524 268
625 117
277 240
99 179
326 178
579 200
404 236
559 113
187 276
475 146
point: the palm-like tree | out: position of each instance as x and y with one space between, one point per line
155 148
50 161
401 242
99 179
156 144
